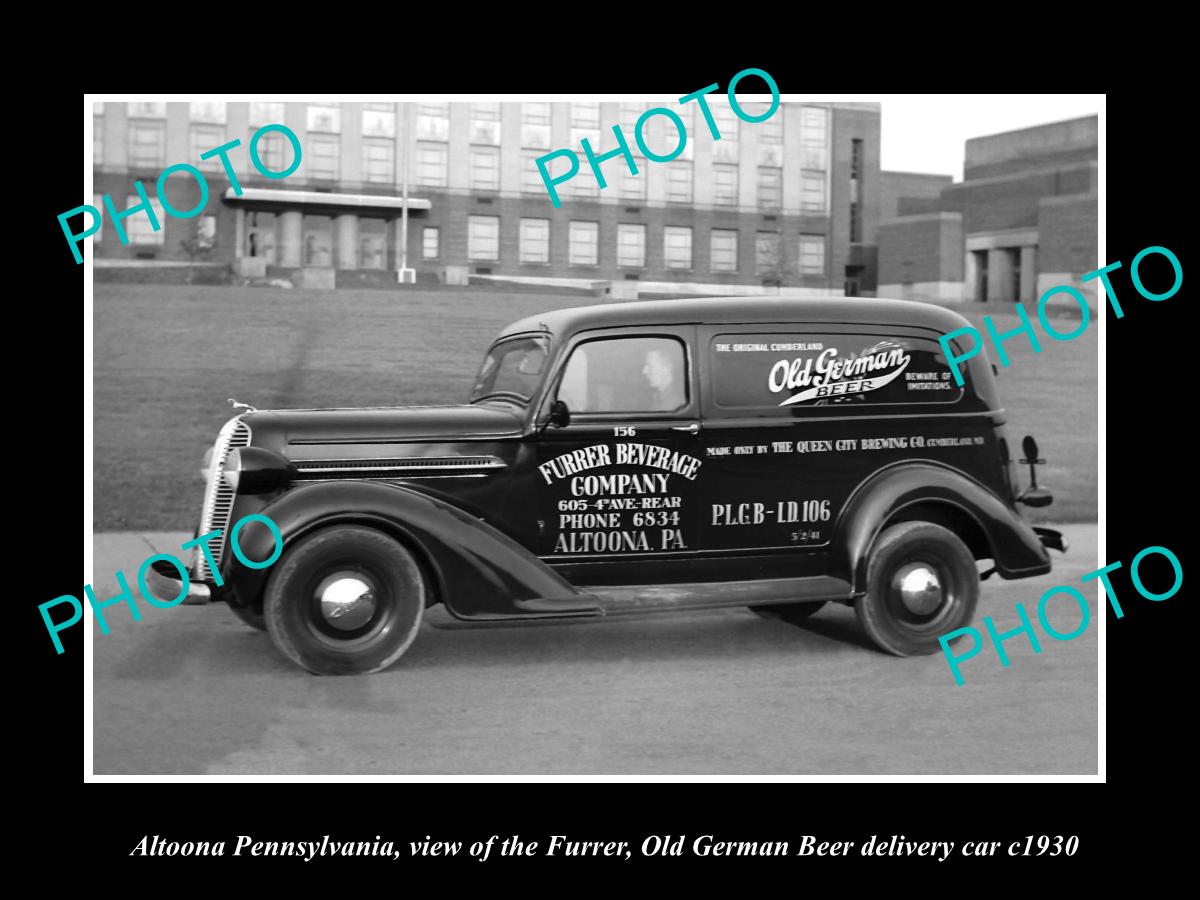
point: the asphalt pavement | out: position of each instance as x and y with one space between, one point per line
191 690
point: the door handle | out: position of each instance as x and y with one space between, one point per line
693 428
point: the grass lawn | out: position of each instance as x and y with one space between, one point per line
167 356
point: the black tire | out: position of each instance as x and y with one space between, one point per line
251 617
346 600
912 550
794 613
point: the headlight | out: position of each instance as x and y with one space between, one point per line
256 470
231 473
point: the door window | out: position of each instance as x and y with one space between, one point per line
643 374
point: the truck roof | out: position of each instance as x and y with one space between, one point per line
742 310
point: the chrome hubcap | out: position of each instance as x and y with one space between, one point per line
347 601
918 587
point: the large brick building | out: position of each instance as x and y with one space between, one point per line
793 200
1022 220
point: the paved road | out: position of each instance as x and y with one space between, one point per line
191 690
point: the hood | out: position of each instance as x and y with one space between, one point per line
386 425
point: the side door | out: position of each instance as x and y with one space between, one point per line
617 487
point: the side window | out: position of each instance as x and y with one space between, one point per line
626 375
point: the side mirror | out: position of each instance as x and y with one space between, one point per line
560 416
1029 445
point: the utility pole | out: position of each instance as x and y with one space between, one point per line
409 143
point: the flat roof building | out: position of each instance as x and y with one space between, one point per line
1022 220
791 201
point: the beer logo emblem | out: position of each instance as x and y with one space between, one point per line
827 375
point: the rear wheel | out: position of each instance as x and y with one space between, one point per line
922 582
346 600
789 612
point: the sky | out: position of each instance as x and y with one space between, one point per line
928 132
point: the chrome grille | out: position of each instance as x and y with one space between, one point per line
219 497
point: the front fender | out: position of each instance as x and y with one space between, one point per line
1014 545
478 572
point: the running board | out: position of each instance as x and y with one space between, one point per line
709 595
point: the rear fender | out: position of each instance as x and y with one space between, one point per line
1011 542
477 571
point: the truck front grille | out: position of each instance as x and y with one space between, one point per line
219 497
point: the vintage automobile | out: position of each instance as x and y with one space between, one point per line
772 453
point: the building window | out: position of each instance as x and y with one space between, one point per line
147 145
583 243
767 259
378 160
585 123
531 178
631 246
324 118
585 115
153 109
209 111
429 242
485 124
534 246
205 138
206 232
812 192
275 152
771 131
812 254
97 143
433 121
724 250
813 135
677 247
318 241
485 168
324 157
432 165
584 183
679 181
770 188
483 238
138 228
727 122
378 123
725 184
535 126
632 187
265 114
372 244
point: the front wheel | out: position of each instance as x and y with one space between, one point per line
346 600
922 583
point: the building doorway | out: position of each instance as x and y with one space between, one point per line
260 236
981 275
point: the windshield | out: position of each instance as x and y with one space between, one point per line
511 371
